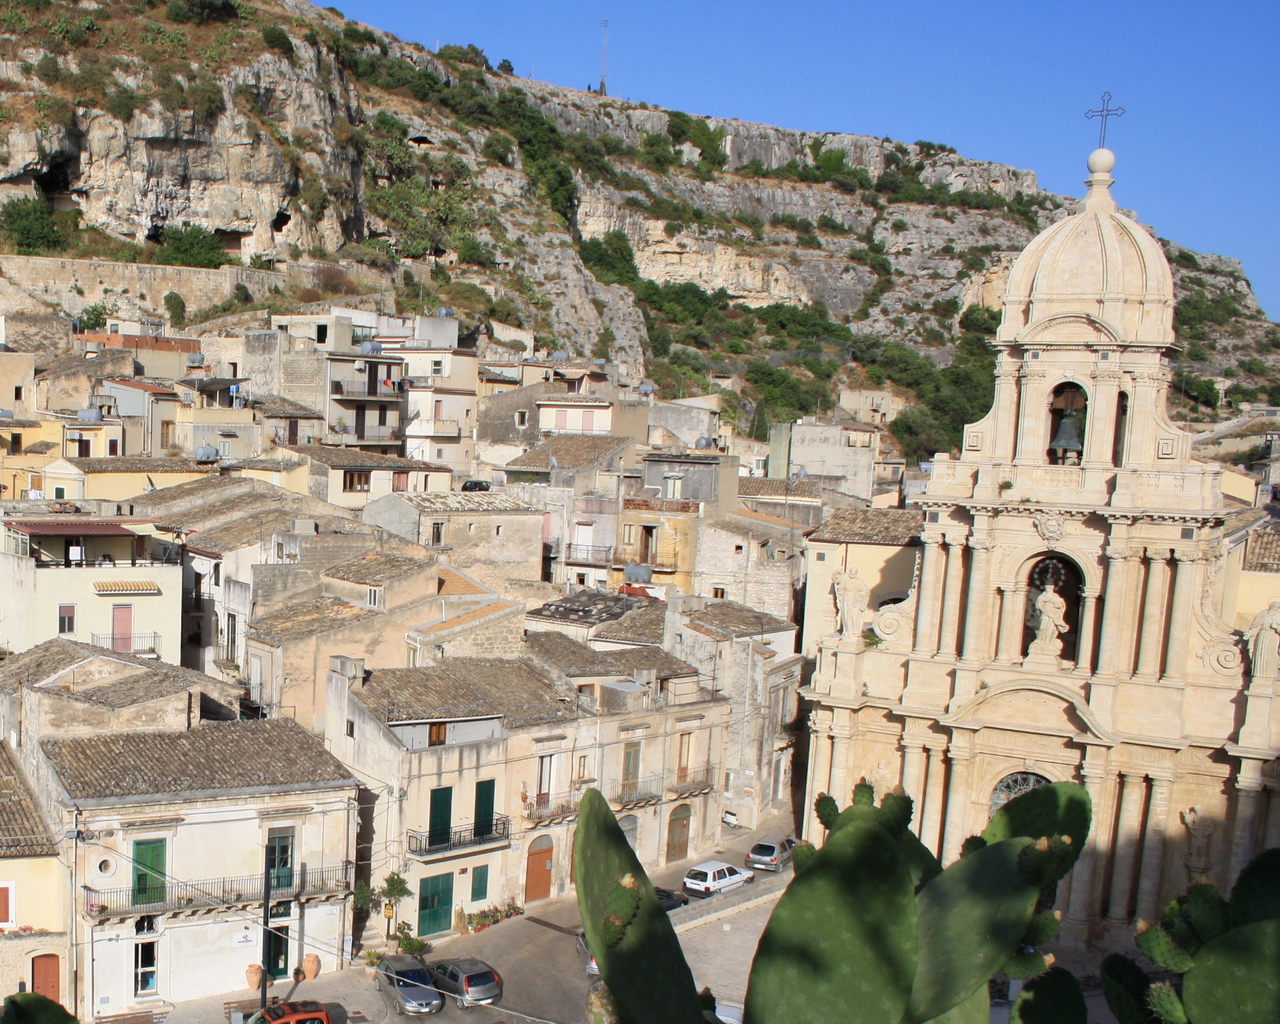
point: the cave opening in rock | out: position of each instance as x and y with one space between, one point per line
281 221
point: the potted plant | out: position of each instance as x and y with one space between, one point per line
372 957
299 975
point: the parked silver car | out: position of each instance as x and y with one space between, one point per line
405 984
771 853
469 982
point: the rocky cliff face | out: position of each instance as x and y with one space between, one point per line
249 167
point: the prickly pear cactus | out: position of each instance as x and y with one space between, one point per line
1256 896
828 810
802 854
32 1008
1052 998
1022 966
645 969
620 908
1206 911
1165 1004
1125 986
1043 928
1058 809
1235 978
1158 946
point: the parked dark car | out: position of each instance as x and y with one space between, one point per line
476 485
404 982
469 982
669 900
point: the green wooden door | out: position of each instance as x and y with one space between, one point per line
278 950
280 857
149 871
435 904
484 807
441 816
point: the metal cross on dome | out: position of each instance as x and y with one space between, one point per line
1104 113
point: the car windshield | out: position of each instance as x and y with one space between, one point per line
481 979
696 876
412 977
763 850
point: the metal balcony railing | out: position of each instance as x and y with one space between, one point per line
588 554
152 895
359 387
630 792
102 562
577 430
435 428
198 601
631 553
145 644
433 841
351 435
684 781
545 806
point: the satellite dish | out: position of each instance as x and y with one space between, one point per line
802 473
646 389
553 463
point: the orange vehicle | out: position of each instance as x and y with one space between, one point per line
305 1011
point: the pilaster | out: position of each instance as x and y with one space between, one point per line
952 596
1151 646
1128 839
1152 867
930 582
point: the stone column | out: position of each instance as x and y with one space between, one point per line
1075 924
841 758
951 603
819 775
1151 646
935 793
958 798
975 619
1013 605
927 606
1175 665
1244 827
1127 839
913 769
1152 867
1084 649
1112 610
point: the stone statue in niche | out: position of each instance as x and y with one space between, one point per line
1264 642
1199 830
1052 610
852 595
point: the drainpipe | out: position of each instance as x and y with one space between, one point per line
75 945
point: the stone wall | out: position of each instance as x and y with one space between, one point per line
499 637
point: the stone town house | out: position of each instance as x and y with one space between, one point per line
1066 622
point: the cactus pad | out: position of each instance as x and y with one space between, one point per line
974 1010
1235 979
1052 998
864 795
1125 986
1161 948
1206 911
1044 928
620 909
921 863
972 845
1061 808
843 935
1256 896
971 918
1047 860
895 812
1165 1003
828 811
1174 921
1022 966
802 854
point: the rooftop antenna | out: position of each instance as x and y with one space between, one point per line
604 60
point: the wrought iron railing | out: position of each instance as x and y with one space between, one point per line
433 841
632 553
552 805
102 562
359 387
588 554
634 791
152 895
691 780
128 643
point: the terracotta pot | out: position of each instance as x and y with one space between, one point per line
311 966
253 975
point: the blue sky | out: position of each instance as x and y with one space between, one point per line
1198 149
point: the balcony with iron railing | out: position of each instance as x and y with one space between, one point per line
634 792
588 554
691 781
433 428
152 895
359 387
435 842
347 435
658 559
145 645
103 561
546 807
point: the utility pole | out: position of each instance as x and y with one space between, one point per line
266 925
604 61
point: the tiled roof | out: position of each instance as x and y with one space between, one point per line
23 832
663 506
750 518
469 617
53 657
463 688
40 448
642 626
571 451
729 619
765 487
891 526
454 582
279 407
141 464
352 458
8 423
1245 518
274 755
306 618
255 527
376 567
466 501
588 607
567 655
1262 551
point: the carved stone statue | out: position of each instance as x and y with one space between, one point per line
1052 610
1264 642
1199 829
852 595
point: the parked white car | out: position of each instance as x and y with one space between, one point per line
713 876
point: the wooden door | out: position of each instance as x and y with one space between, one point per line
122 627
360 415
678 833
45 976
278 950
441 816
149 871
435 904
484 807
537 875
293 432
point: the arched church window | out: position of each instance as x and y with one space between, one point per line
1014 785
1122 426
1052 623
1068 412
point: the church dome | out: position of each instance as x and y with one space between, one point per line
1096 262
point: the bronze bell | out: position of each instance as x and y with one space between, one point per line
1067 439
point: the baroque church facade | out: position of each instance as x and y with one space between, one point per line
1065 617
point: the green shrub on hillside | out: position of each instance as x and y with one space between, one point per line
498 147
30 225
176 306
191 246
276 38
200 11
610 258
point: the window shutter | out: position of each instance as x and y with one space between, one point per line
5 903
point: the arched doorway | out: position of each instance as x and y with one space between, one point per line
1014 785
1068 412
1058 576
630 826
537 872
678 833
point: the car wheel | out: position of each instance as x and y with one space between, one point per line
377 985
750 879
399 1009
462 1003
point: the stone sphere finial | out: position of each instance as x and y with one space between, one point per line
1101 161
